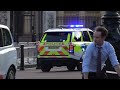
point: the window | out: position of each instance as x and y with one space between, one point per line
86 36
1 42
55 36
6 37
77 36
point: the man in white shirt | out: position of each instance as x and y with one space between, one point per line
93 54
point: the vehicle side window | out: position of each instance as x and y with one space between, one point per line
1 42
6 37
86 36
77 36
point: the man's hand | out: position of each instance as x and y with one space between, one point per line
117 69
85 75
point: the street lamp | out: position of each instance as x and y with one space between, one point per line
111 20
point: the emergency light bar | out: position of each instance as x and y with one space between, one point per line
70 26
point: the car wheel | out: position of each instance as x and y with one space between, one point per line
71 67
79 64
46 67
11 73
79 67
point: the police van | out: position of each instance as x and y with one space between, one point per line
8 54
63 46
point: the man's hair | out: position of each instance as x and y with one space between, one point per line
103 30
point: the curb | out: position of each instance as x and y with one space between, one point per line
27 66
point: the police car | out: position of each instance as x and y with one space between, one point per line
63 46
8 54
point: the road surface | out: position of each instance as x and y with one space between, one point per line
55 73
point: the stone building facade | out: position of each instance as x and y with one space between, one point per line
30 25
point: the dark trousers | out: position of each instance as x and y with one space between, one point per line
94 75
101 75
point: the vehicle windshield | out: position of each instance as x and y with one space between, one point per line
56 37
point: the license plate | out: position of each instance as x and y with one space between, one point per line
53 47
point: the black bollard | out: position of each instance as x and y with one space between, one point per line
22 57
38 64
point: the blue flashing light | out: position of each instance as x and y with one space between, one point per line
71 25
76 26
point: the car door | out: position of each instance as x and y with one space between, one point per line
77 41
1 53
8 51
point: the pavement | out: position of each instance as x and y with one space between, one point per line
28 62
29 54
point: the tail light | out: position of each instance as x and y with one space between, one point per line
71 48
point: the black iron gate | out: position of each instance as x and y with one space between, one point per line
23 25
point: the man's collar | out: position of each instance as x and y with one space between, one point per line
100 46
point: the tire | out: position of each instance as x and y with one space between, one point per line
71 67
11 73
45 67
79 66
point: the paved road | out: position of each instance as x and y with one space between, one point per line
55 73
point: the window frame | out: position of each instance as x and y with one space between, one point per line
6 30
2 38
91 36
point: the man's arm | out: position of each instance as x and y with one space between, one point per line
114 60
86 62
117 69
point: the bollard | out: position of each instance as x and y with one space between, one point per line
37 65
38 61
22 57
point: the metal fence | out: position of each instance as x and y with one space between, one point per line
87 21
30 52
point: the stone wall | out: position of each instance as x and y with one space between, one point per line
5 18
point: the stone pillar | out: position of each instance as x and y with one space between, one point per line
5 18
49 20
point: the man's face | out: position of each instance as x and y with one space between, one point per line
98 39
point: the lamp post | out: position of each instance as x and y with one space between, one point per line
111 20
40 24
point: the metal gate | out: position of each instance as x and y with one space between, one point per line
89 19
23 25
30 52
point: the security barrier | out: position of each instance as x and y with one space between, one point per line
30 52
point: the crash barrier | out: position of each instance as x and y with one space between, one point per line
30 52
